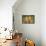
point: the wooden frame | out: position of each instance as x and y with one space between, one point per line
28 19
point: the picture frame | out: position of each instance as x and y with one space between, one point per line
28 19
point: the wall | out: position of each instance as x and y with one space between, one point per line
43 22
28 7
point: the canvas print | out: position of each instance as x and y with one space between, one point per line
28 19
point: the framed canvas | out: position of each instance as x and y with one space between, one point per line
28 19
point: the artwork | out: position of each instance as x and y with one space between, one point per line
28 19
